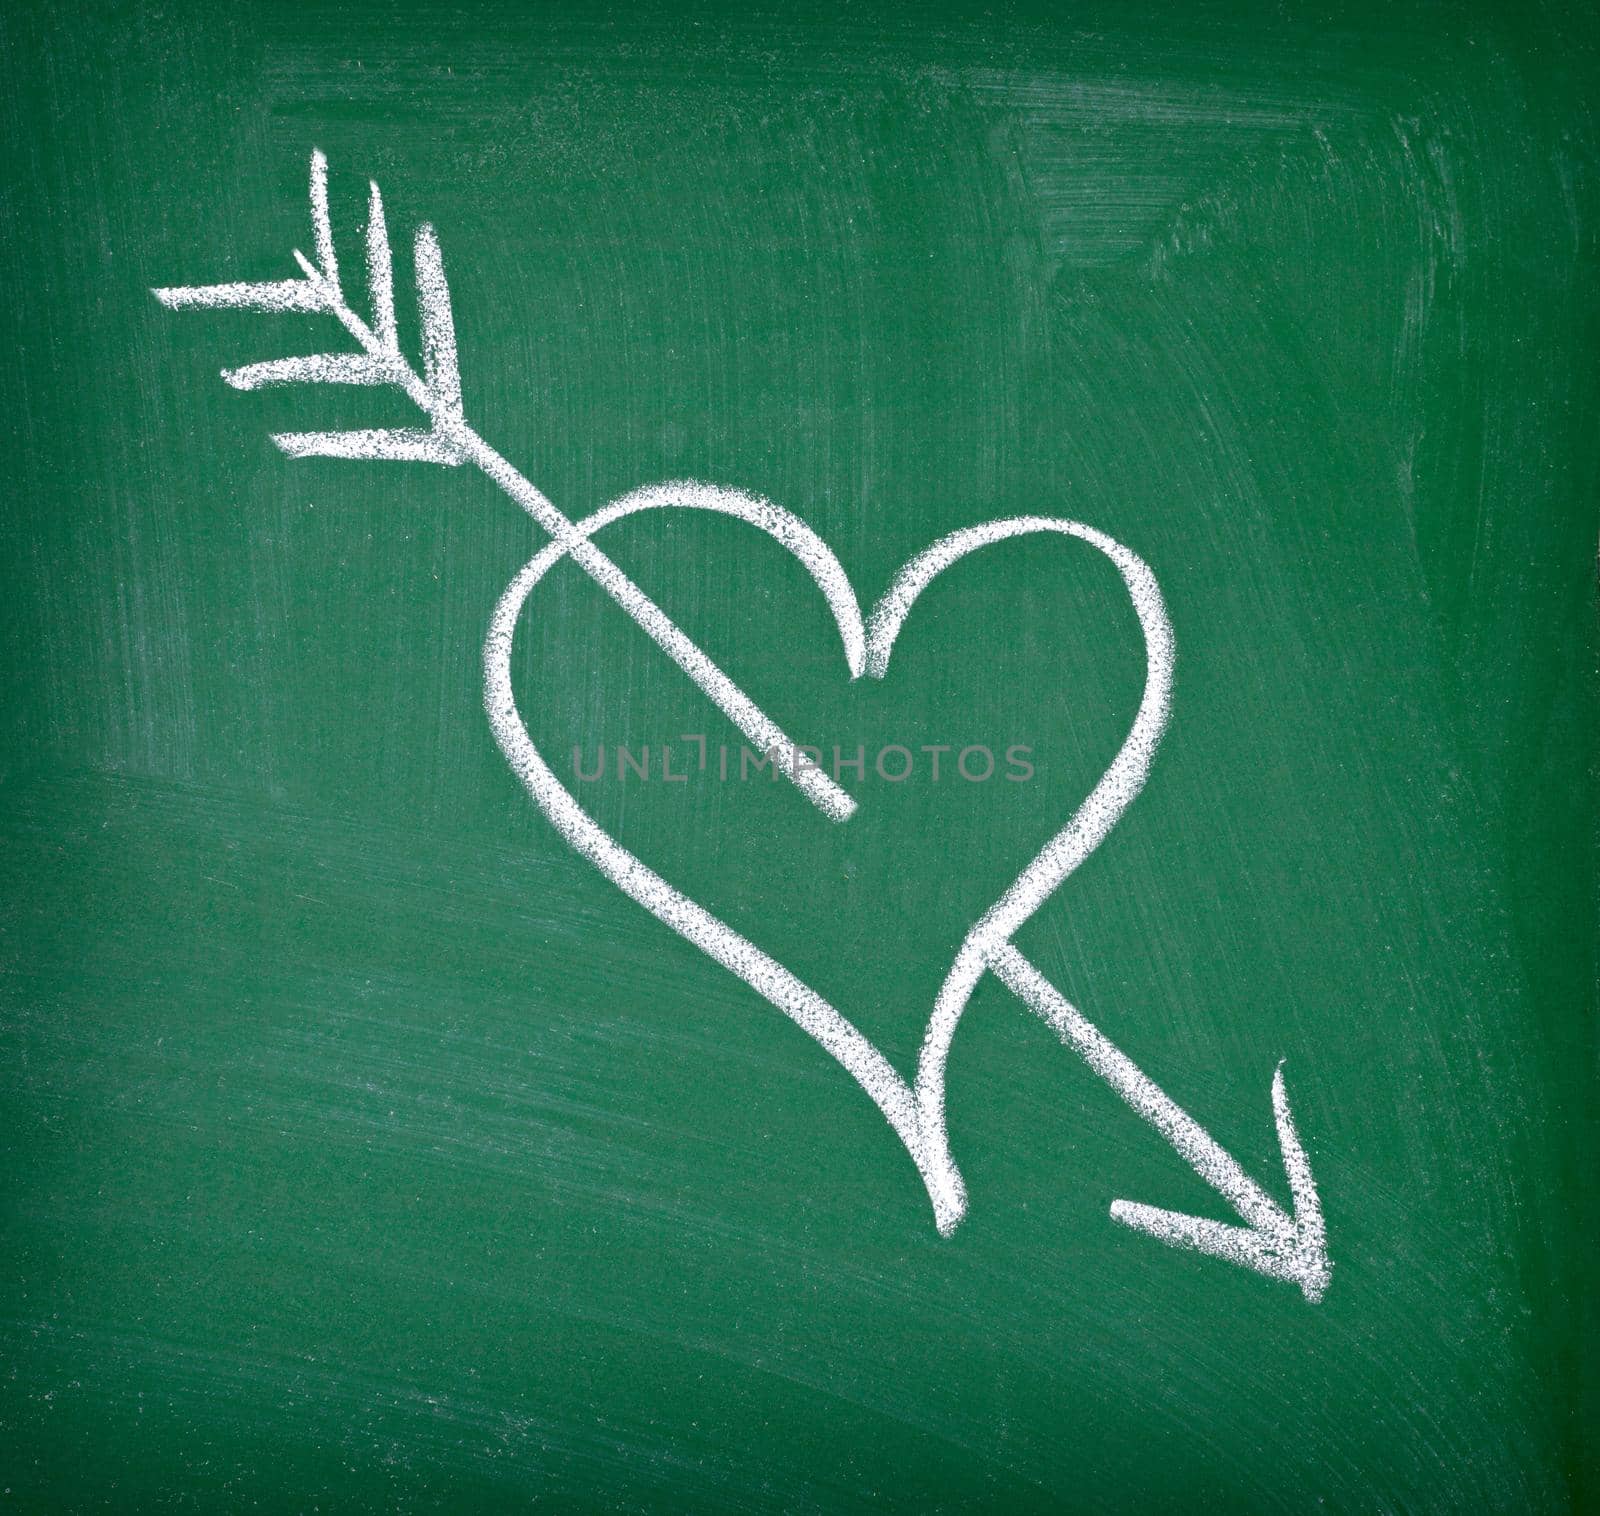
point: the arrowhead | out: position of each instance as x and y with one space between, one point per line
1291 1248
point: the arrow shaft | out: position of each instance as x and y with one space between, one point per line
1207 1157
816 785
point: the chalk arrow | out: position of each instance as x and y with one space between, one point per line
1271 1241
1292 1248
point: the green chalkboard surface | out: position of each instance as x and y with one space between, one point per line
768 759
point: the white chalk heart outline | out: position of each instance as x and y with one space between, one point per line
915 1111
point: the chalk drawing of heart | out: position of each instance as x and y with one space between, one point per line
1282 1244
915 1112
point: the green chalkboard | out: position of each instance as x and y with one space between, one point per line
441 1068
